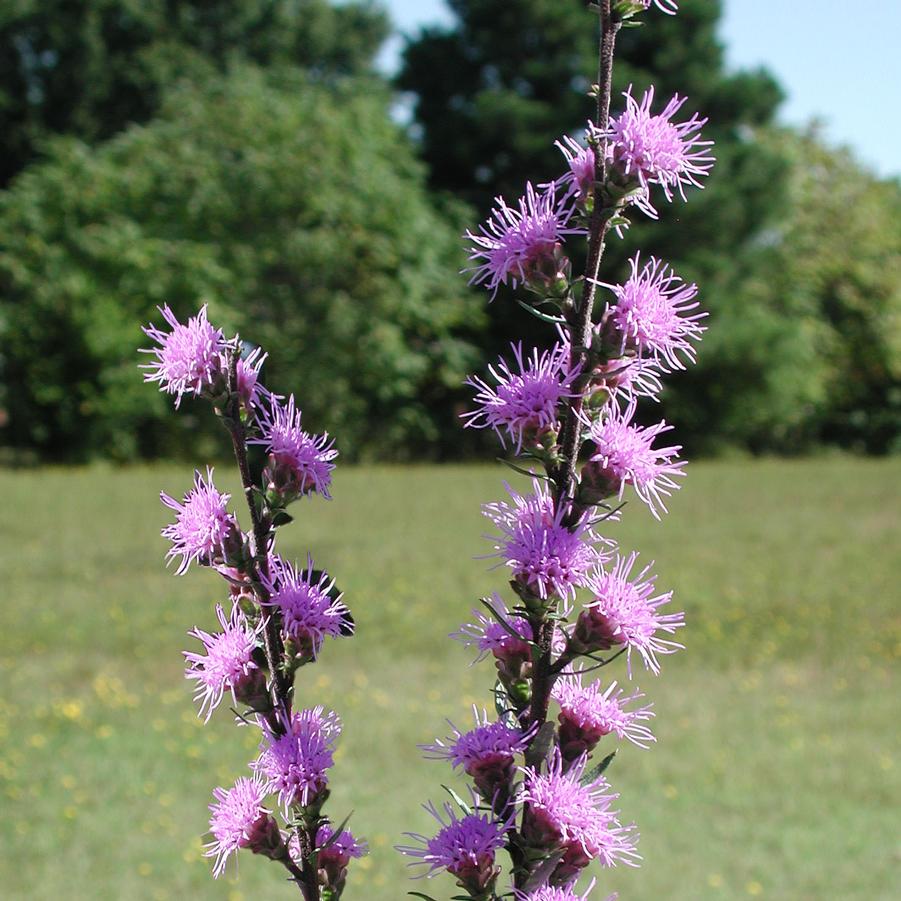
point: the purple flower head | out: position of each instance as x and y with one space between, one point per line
228 661
310 608
239 820
486 753
625 455
562 813
516 244
248 374
541 551
649 316
490 637
580 160
648 149
524 401
204 531
342 848
334 859
547 893
463 847
296 764
190 357
300 463
588 713
629 378
625 611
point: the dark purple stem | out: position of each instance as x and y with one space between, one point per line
306 875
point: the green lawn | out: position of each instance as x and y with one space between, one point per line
774 775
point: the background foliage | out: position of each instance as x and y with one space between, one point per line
244 154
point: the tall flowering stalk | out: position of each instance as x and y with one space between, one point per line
278 615
569 413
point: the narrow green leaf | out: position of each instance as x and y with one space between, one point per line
598 770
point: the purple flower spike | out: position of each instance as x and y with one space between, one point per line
309 609
486 753
190 357
515 244
625 455
464 847
296 764
541 551
490 637
651 150
204 531
239 820
524 401
227 664
300 463
588 713
649 315
625 612
563 813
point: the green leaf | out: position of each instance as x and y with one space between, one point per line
598 770
466 808
541 744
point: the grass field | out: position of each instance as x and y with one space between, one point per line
775 774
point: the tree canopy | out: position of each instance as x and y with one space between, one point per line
91 67
294 208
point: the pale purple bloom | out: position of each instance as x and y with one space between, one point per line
248 375
486 753
563 813
490 637
524 400
228 660
625 455
539 549
190 357
548 893
464 847
650 149
625 611
238 820
516 242
296 764
302 462
204 531
310 608
341 849
651 317
580 161
588 713
628 378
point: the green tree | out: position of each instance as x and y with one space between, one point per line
90 67
295 208
808 350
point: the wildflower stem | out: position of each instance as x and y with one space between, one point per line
272 640
580 321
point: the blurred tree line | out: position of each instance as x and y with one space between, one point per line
244 153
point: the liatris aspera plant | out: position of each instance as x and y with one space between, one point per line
279 614
569 413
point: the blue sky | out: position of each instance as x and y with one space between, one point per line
806 43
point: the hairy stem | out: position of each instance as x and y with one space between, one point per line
272 639
280 688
